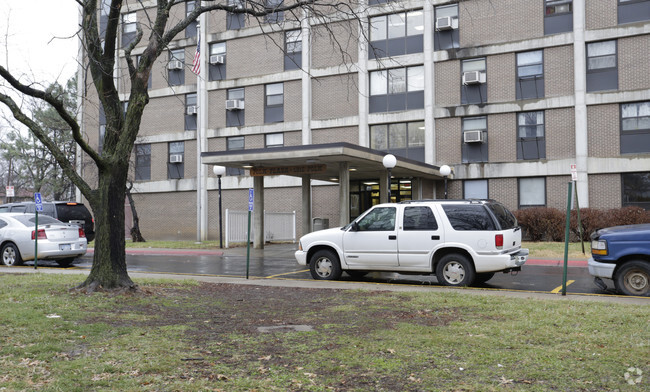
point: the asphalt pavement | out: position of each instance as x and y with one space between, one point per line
284 252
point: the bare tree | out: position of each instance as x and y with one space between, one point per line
112 166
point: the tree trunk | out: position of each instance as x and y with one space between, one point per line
136 235
109 261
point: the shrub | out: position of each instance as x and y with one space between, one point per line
541 223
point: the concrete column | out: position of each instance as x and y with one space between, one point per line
306 205
344 193
306 78
258 212
383 187
429 87
580 91
362 63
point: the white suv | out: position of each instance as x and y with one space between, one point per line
462 242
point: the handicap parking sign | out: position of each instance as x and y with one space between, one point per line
38 201
251 199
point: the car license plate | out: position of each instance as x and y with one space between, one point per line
65 247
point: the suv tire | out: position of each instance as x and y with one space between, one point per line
454 269
325 265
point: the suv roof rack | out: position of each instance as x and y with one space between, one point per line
439 200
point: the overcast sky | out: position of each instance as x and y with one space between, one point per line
38 39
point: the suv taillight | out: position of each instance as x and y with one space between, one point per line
82 233
498 241
41 234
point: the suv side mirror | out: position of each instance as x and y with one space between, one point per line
354 226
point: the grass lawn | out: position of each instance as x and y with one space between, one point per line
189 336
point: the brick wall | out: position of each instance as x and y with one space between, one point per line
163 115
600 14
604 130
558 71
501 74
502 135
605 191
255 55
560 133
633 64
292 101
448 81
505 191
217 108
557 191
254 107
486 22
332 135
335 96
448 139
335 44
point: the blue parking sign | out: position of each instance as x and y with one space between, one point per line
38 201
251 199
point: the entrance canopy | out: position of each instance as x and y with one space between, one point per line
320 161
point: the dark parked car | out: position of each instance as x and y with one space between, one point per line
65 211
622 254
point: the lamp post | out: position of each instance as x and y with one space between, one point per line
219 171
445 171
389 162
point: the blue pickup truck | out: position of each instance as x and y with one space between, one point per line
622 254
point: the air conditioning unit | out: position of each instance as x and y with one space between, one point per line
444 23
217 59
175 64
176 158
473 77
473 137
234 104
191 110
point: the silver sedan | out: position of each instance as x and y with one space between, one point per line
57 241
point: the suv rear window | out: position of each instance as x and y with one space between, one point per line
69 212
464 217
505 218
29 220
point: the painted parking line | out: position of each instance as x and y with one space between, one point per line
284 274
557 289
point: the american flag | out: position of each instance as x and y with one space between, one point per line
196 65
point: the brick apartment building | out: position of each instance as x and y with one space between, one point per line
508 93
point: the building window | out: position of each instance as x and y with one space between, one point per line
217 61
397 89
531 142
558 16
602 70
176 67
190 30
292 50
274 140
129 28
400 139
475 189
175 163
396 34
473 81
235 21
142 162
232 144
474 140
630 11
191 111
447 35
530 75
274 103
635 128
532 192
235 108
274 17
636 189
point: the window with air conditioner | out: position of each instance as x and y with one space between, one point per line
474 147
175 165
235 113
191 111
446 32
217 61
176 67
473 81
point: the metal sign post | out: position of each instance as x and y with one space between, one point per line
566 238
38 201
251 202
